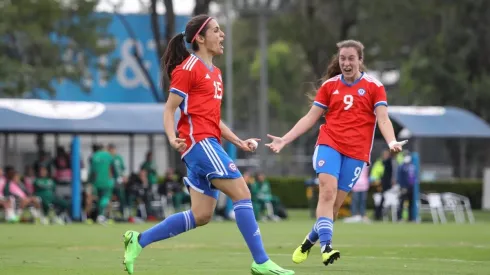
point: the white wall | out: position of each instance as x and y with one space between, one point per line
486 190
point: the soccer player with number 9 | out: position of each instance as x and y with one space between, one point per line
352 102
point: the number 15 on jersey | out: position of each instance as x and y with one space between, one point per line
218 90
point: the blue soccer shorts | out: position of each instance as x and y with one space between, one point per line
345 169
207 160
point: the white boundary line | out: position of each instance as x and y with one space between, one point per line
383 258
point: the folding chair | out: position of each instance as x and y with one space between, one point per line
454 205
464 203
434 206
391 202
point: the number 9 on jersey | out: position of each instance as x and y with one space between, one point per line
348 100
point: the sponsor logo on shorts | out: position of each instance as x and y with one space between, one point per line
232 166
321 163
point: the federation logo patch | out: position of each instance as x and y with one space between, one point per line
232 167
361 92
321 163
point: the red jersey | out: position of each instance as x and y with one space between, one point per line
350 118
202 89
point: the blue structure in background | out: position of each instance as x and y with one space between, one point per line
38 116
76 185
128 83
439 122
416 187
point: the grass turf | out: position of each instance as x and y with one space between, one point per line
380 248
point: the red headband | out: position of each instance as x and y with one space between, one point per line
200 29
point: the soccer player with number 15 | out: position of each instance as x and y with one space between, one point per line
196 89
353 103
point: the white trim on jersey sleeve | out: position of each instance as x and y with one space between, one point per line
318 104
379 103
178 92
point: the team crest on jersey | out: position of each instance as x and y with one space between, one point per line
321 163
361 92
232 166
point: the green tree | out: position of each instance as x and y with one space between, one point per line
287 83
316 25
47 41
451 67
441 49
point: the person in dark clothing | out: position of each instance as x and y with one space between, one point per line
62 165
386 182
172 188
406 180
139 191
44 161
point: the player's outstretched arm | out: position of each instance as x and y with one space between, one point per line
248 145
303 125
386 128
171 106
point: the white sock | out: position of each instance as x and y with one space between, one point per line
35 213
9 213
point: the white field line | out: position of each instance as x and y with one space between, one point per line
384 258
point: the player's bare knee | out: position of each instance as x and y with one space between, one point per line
327 195
328 188
202 217
242 193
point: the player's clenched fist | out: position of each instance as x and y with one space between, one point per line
249 145
178 144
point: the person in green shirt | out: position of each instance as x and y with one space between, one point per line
150 167
102 178
120 180
44 188
266 200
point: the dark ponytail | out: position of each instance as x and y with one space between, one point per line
175 54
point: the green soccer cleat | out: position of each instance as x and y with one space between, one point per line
330 255
269 268
302 252
132 250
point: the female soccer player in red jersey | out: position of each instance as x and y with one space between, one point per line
353 102
196 88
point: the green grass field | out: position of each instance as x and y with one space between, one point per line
218 249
